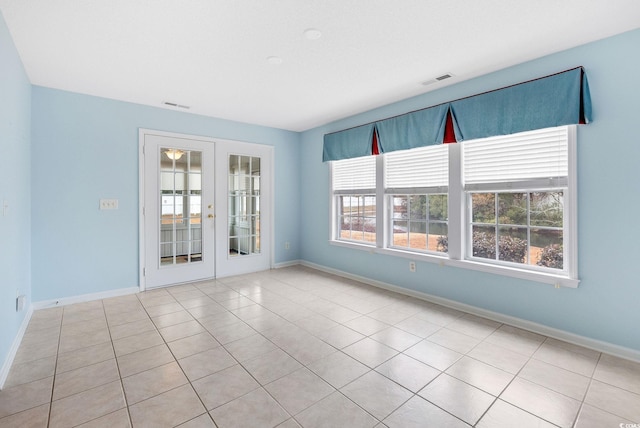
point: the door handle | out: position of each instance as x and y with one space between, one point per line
211 216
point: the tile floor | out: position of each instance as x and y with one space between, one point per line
296 347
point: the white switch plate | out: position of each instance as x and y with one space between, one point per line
108 204
5 208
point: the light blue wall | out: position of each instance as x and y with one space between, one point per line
606 306
85 148
15 189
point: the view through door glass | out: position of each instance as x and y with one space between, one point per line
244 205
181 206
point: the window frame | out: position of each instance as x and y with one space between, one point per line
459 215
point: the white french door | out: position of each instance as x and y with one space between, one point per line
244 203
178 210
205 208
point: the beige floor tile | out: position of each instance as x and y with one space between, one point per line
120 318
517 340
36 417
192 345
336 410
202 421
211 309
542 402
173 318
458 398
87 406
370 352
309 349
254 410
224 386
504 415
117 419
162 411
475 326
340 336
153 382
250 347
418 326
614 400
592 417
552 352
271 366
30 371
83 340
164 309
137 342
84 357
316 324
396 338
389 315
433 354
366 325
182 330
499 357
299 390
454 340
416 411
230 332
131 328
205 363
338 369
556 379
408 372
84 378
31 351
376 394
618 372
145 359
25 396
289 423
439 315
483 376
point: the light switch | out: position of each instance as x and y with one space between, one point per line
108 204
5 208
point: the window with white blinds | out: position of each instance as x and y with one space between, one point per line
539 157
354 175
504 205
417 170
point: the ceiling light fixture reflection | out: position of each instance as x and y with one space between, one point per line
274 60
174 154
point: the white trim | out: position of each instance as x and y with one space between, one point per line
287 264
597 345
8 362
496 269
63 301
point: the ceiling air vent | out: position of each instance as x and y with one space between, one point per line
437 79
170 104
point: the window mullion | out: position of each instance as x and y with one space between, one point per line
382 223
456 204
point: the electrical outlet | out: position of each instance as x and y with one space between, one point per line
286 245
412 266
108 204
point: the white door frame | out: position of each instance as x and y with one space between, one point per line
141 197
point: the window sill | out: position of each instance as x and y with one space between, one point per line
542 277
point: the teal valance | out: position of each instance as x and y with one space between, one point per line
555 100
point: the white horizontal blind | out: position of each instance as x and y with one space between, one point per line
526 156
354 174
424 167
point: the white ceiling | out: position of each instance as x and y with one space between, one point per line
211 55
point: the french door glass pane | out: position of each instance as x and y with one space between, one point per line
244 205
181 206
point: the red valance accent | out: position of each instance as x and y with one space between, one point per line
449 134
375 150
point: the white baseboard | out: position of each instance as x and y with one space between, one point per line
63 301
287 264
586 342
4 372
